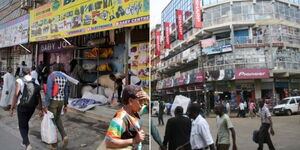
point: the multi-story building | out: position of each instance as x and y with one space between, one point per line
250 50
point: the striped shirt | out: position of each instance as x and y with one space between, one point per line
121 128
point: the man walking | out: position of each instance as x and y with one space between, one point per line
57 99
161 113
27 97
224 125
266 124
200 134
8 90
178 130
242 109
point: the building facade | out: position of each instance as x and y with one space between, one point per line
249 50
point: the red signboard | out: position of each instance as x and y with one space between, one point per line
259 73
207 43
197 14
167 35
179 18
199 77
181 81
157 39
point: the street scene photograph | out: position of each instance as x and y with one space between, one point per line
74 74
225 74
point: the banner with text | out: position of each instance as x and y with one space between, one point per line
179 18
167 35
14 32
197 14
67 18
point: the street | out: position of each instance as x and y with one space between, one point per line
287 132
84 133
9 141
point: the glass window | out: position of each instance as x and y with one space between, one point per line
225 9
236 9
292 101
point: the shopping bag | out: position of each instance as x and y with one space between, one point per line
48 130
102 146
180 101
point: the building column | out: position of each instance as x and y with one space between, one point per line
232 34
251 33
257 88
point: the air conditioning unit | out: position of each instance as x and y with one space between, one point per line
26 4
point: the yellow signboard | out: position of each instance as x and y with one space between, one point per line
67 18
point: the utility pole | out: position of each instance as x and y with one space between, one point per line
203 76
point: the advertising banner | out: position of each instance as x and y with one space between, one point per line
207 42
67 18
157 42
197 14
255 73
167 35
181 81
179 19
14 32
217 50
53 46
140 63
199 77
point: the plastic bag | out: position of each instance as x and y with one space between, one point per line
48 130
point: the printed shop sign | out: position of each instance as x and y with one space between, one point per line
260 73
67 18
14 32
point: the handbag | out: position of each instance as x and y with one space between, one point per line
102 145
55 88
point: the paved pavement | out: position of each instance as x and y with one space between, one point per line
80 129
8 141
287 132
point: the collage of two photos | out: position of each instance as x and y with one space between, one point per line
149 74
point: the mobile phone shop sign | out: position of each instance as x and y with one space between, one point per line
14 32
67 18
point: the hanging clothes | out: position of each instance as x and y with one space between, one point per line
8 91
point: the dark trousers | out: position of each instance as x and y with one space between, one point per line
23 118
264 137
160 119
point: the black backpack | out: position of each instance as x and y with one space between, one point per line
30 95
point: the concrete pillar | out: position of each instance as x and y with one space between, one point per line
257 87
232 34
250 33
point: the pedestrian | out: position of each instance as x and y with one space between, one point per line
200 134
8 90
25 111
178 130
224 125
76 73
34 75
266 124
161 113
20 70
57 82
242 109
246 106
117 86
228 108
125 130
155 136
251 109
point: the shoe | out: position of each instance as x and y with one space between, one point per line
65 142
23 145
28 147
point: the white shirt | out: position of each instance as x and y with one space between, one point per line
34 75
242 106
200 134
265 114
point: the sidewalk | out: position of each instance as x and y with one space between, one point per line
84 132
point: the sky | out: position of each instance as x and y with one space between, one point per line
156 7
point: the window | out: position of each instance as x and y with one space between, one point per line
236 9
292 101
298 100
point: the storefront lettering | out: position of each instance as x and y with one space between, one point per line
252 74
53 46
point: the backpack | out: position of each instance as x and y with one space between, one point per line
30 94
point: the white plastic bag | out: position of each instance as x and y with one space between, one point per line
180 101
48 130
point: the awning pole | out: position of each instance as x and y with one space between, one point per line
66 41
127 50
25 48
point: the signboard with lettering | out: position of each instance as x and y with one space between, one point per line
67 18
14 32
255 73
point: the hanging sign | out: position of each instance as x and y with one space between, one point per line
197 14
67 18
179 18
167 35
14 32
